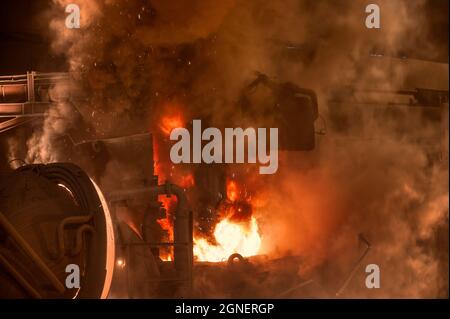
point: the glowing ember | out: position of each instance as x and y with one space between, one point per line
232 191
241 238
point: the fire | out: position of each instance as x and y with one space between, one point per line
232 191
165 222
237 232
242 238
169 122
187 181
237 229
167 172
165 253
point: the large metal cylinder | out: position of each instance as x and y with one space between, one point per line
53 216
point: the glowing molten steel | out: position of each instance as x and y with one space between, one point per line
237 232
242 238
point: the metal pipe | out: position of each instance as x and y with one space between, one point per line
183 254
60 231
31 253
294 288
153 244
30 86
183 243
79 237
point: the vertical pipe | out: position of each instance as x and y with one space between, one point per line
30 86
183 242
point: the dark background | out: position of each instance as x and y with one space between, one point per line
25 46
24 42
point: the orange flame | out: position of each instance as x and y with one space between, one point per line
187 181
231 237
166 171
237 232
232 190
165 253
170 122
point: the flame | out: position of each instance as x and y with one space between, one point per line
237 232
187 181
241 238
170 122
232 190
166 171
165 253
167 226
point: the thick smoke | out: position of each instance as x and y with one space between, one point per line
133 58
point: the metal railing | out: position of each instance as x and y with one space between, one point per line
22 99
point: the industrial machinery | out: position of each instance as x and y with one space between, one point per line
54 216
26 97
100 212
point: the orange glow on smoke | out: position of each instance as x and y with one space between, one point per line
187 181
170 122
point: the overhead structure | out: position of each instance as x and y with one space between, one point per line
26 97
